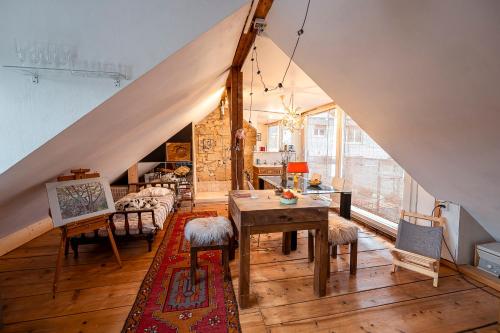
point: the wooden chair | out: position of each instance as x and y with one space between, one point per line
424 257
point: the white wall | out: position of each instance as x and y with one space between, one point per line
420 77
133 33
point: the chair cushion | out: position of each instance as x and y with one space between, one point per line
208 231
340 230
419 239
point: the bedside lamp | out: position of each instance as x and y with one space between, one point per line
296 168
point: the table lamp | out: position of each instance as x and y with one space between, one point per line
296 168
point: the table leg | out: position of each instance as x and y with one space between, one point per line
286 243
293 242
345 205
244 281
321 259
62 246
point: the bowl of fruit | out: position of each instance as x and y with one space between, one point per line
288 198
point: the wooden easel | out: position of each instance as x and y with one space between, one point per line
76 228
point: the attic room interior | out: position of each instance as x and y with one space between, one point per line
249 166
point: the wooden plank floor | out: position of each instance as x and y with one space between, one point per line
95 295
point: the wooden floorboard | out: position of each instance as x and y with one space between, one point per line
95 295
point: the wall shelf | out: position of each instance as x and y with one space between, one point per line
35 73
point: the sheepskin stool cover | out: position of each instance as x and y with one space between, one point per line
208 231
341 231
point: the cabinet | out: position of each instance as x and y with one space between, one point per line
265 170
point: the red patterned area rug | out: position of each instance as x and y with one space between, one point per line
165 303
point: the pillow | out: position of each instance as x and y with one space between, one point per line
155 192
127 203
134 203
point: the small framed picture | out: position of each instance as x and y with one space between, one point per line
75 200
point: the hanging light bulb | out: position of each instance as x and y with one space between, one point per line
292 119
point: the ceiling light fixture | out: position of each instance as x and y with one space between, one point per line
292 119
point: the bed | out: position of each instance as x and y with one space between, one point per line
139 214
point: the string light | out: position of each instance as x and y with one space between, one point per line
255 57
251 88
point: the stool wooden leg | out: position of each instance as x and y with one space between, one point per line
192 273
334 251
310 246
353 261
225 261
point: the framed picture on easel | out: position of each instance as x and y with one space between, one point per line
75 200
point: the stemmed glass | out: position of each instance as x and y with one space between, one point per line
20 51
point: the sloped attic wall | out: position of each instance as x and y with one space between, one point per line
421 77
181 89
137 34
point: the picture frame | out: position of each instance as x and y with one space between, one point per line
207 143
178 151
75 200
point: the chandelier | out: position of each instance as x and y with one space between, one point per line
292 119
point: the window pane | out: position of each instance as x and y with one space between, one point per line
287 137
375 178
273 138
320 144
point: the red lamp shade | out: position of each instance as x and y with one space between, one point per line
297 167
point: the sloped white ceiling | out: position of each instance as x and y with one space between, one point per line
421 77
135 34
181 89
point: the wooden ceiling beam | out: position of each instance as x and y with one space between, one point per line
246 39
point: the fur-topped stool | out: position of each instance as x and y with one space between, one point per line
209 233
340 232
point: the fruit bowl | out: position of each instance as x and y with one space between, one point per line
285 201
314 182
288 198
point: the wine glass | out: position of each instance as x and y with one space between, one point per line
20 51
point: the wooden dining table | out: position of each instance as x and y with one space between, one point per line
257 212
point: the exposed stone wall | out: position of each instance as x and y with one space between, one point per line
212 148
213 141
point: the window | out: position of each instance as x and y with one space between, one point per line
376 180
353 134
286 137
273 138
321 144
319 130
